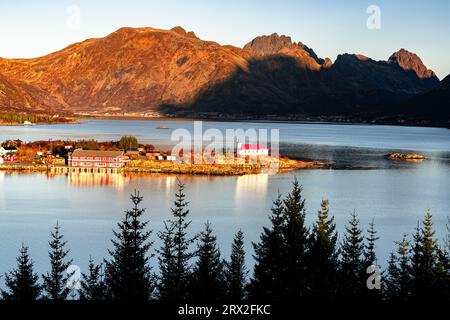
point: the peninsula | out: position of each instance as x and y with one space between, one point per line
127 156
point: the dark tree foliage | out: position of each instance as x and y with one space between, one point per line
424 260
281 255
294 278
443 289
397 282
370 259
175 253
291 263
420 271
352 263
128 274
323 256
93 284
207 283
235 271
22 283
269 253
57 280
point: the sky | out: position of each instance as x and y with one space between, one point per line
35 28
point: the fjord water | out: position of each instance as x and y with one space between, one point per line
394 194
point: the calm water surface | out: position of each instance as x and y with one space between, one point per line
394 194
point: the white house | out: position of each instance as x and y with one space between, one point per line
252 150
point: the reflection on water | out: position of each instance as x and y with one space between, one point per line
88 206
164 183
254 184
118 181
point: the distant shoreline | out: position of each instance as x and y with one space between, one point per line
279 119
79 119
10 124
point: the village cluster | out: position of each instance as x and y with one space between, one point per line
70 158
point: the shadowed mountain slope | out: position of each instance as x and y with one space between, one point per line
148 70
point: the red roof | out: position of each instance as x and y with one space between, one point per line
252 147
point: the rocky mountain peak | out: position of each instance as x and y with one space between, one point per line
270 44
410 61
183 32
274 44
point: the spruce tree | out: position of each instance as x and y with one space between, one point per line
166 259
370 257
444 260
391 286
398 274
423 260
56 281
175 253
352 248
370 260
323 261
128 274
269 253
92 284
295 233
235 270
22 283
207 278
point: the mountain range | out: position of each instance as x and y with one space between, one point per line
148 71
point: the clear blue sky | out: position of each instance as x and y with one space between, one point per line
33 28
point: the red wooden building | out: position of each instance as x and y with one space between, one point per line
96 159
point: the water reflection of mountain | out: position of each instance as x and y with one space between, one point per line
251 187
117 181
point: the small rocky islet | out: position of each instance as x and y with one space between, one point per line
405 156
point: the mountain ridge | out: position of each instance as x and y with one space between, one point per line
156 71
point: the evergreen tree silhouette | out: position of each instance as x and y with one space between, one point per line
92 284
391 286
370 257
423 260
269 253
370 260
128 275
352 248
56 281
294 277
207 282
323 256
175 253
398 278
443 281
235 271
22 283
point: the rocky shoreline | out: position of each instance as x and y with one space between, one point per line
285 165
405 156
